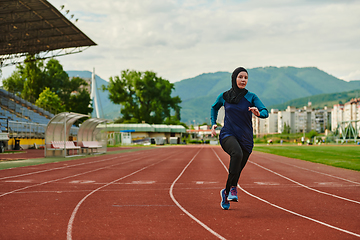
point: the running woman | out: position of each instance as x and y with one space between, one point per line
236 136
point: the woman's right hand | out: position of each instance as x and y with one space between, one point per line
213 132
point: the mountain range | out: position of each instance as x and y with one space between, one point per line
320 101
272 85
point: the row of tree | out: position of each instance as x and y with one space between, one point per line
49 86
142 96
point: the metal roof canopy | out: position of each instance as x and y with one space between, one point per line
145 127
138 127
177 128
34 26
87 130
58 128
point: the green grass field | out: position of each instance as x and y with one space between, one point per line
343 156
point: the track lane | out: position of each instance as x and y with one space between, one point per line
250 219
276 191
307 186
73 214
336 181
50 202
187 212
346 175
48 167
140 206
24 181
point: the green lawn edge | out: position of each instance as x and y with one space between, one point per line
342 156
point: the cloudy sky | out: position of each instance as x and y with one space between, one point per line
182 39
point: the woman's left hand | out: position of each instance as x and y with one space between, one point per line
255 111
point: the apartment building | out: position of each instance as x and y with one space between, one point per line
337 116
344 114
293 119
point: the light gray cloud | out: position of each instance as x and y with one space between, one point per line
181 39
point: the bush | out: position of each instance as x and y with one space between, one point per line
312 134
195 142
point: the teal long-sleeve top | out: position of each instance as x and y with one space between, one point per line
237 120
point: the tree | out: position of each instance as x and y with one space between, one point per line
33 74
144 97
312 134
79 101
32 78
57 79
14 83
49 100
286 129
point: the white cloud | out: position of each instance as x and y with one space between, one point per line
355 75
181 39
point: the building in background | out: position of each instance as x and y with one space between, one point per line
345 116
286 119
293 120
321 120
337 116
265 126
305 119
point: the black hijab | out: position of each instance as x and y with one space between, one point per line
235 94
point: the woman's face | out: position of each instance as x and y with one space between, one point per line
242 80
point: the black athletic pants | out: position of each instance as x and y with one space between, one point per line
238 159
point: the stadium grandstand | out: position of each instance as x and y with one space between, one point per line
32 27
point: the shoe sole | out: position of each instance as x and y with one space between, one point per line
222 200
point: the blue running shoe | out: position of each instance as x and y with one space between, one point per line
225 204
233 195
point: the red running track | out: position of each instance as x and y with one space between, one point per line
173 193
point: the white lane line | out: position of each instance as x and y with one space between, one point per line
141 182
289 211
144 205
310 170
302 185
72 218
55 180
183 209
267 183
82 181
19 181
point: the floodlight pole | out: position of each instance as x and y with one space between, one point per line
93 93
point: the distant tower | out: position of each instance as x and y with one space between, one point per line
93 94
